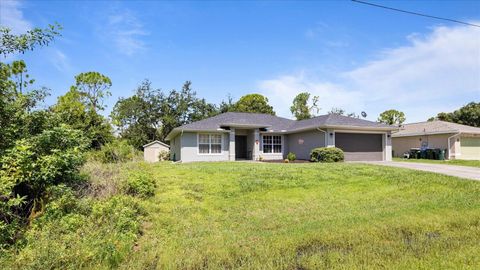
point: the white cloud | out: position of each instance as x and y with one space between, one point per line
60 61
436 72
11 16
126 31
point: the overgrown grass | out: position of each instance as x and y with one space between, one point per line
270 216
93 225
460 162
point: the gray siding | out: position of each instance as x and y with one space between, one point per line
189 149
175 149
302 143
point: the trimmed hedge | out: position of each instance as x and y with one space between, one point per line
326 154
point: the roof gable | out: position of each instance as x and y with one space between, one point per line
156 142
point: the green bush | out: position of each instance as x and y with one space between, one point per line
291 156
164 155
140 184
116 152
29 169
326 154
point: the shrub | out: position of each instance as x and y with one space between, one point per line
29 169
116 152
164 155
326 154
100 235
140 184
291 156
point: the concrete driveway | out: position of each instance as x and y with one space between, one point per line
458 171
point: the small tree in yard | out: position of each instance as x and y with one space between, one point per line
392 117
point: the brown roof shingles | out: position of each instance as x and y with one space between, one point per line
434 127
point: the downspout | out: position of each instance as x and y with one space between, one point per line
324 137
448 142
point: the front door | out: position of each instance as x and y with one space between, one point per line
240 147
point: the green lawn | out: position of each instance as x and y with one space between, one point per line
470 163
307 216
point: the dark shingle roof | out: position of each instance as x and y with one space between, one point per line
240 119
275 123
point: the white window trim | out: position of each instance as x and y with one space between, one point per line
210 145
282 138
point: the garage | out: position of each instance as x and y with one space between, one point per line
359 146
469 148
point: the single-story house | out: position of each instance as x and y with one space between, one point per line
460 141
253 136
151 151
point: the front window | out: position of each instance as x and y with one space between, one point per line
272 144
209 143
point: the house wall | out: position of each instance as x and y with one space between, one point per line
302 143
401 145
175 148
189 148
250 143
151 153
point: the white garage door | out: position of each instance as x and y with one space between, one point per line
470 148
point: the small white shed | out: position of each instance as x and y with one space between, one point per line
151 151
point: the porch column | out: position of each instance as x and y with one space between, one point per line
231 146
256 147
388 146
330 138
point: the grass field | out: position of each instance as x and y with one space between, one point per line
259 216
307 216
470 163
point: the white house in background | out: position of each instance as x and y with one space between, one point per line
151 151
254 136
460 141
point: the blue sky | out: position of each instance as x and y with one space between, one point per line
352 56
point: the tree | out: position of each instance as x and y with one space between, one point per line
253 103
94 87
202 109
10 43
392 117
139 117
179 108
226 106
337 111
467 115
72 111
150 114
300 107
16 105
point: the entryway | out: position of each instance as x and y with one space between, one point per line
240 147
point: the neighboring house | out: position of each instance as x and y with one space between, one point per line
252 136
460 141
151 151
